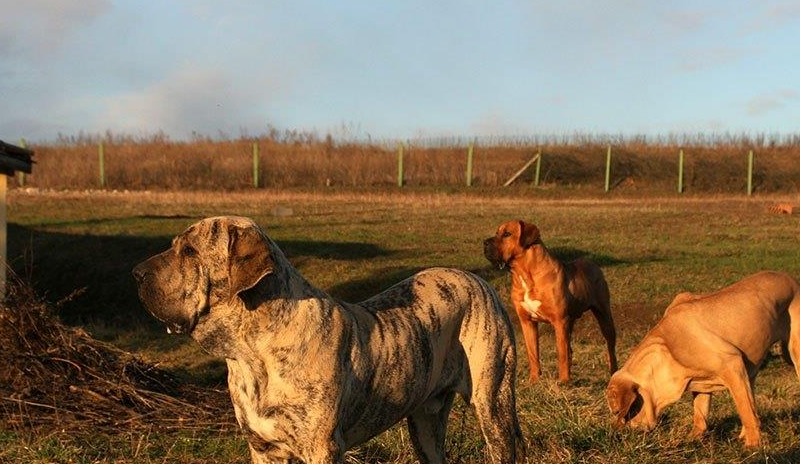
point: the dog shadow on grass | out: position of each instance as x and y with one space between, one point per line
58 263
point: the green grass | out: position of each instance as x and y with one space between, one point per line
353 245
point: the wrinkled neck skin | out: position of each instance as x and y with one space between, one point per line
661 379
239 327
534 264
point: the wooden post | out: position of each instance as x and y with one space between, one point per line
400 177
750 173
680 171
516 175
3 236
608 169
101 159
255 164
20 174
538 168
469 165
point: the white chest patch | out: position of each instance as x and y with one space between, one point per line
531 305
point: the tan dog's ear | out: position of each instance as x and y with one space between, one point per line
528 234
249 258
621 394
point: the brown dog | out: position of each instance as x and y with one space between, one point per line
708 343
543 289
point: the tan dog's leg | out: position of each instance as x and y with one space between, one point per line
702 408
427 428
736 379
793 344
563 330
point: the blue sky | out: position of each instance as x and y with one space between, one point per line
398 69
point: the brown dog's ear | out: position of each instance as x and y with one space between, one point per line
621 394
528 234
249 259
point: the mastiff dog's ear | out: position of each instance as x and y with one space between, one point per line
249 258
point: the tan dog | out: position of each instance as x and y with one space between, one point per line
709 343
543 289
311 376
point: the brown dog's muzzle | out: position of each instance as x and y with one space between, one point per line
491 252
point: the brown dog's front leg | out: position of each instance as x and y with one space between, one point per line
702 408
530 332
563 329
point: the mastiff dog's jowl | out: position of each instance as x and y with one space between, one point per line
311 376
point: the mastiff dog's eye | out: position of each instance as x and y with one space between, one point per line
506 234
188 251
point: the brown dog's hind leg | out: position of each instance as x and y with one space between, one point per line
702 409
427 427
602 312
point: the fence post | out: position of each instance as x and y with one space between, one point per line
538 168
400 177
101 159
469 164
750 173
255 164
608 169
20 174
680 171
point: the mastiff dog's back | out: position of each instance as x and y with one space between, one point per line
311 376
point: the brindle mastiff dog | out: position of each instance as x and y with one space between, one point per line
311 376
543 289
709 343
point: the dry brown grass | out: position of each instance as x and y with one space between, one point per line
53 376
711 165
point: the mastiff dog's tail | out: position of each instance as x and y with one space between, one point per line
488 340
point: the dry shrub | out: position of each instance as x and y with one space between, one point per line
59 376
303 160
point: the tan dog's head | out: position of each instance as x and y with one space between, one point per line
510 241
629 403
209 264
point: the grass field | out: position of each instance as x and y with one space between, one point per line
355 244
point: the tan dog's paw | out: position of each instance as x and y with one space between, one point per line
751 438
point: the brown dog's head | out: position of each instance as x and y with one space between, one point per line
629 403
208 265
510 241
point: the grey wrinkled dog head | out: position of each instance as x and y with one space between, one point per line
207 267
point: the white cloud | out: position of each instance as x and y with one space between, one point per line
775 13
688 20
495 123
41 26
191 98
765 103
698 59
